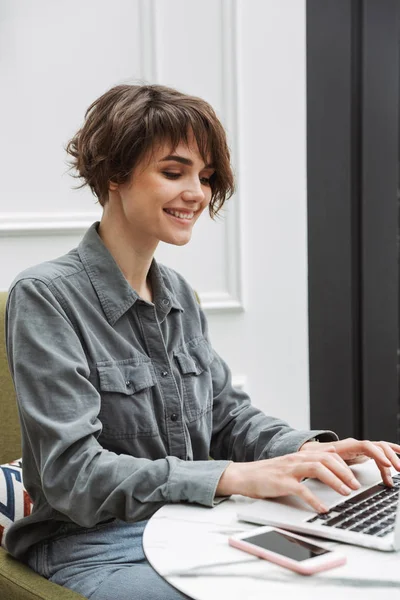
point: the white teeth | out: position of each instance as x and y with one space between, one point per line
179 214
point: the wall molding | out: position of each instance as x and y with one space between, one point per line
27 224
213 302
230 91
230 299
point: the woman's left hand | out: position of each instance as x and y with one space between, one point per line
354 451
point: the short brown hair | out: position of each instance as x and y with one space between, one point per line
126 122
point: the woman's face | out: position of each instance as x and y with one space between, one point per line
165 196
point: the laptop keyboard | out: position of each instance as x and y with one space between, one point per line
372 512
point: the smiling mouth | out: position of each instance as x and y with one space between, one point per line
180 215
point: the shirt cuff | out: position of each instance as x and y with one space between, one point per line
196 481
291 442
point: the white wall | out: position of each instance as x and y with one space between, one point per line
247 57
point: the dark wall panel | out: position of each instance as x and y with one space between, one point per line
333 288
379 218
353 163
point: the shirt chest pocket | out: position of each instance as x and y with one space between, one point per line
127 391
193 360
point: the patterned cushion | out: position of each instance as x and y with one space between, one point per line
14 500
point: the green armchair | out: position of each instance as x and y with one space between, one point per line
17 581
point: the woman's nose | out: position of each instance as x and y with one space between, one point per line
194 193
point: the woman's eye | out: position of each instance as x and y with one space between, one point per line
170 175
173 175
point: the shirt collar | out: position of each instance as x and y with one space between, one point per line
115 294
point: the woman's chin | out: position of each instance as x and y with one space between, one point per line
176 240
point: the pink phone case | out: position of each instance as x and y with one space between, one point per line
330 562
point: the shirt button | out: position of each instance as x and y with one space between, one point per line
165 301
174 417
164 373
128 383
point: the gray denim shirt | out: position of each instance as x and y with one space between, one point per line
122 401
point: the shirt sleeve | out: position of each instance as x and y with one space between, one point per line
59 410
242 432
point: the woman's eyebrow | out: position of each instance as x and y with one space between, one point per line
183 160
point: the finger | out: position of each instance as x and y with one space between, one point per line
390 454
317 470
386 476
374 451
341 470
337 457
338 466
394 447
331 451
345 473
305 494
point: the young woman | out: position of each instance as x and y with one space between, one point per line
122 398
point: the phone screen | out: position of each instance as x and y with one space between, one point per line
286 545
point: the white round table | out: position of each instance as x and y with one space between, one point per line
188 546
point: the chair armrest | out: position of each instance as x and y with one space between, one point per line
19 582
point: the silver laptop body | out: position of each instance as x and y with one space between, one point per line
290 512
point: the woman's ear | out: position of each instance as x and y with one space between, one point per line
112 186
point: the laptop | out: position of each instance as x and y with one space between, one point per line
369 516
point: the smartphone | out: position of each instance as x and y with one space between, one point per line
288 550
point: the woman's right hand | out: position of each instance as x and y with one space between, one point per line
282 476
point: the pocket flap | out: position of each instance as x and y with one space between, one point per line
126 378
195 357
